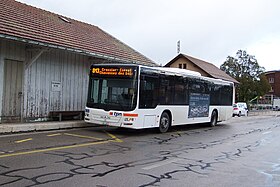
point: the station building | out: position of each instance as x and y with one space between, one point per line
45 60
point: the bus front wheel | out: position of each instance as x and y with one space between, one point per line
164 123
214 118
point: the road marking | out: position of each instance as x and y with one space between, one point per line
114 139
82 136
268 132
51 135
162 163
25 140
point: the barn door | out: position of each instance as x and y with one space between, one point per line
13 89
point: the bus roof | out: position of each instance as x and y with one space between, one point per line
179 71
173 71
187 73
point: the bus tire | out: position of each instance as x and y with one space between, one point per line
164 123
214 118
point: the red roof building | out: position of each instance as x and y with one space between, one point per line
45 60
28 24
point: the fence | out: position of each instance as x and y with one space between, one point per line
264 112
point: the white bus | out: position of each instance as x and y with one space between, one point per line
136 96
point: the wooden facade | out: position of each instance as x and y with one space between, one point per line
35 81
185 63
45 60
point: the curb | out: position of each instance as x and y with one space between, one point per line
41 126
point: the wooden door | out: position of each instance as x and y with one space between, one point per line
13 90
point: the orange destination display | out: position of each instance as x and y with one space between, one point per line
113 71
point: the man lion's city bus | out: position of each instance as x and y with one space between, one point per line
137 97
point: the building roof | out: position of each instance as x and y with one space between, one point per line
272 72
207 67
25 23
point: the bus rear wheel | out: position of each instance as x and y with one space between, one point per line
164 123
214 118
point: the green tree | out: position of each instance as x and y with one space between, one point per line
231 67
263 86
246 70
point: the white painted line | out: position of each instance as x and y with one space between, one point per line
268 132
162 163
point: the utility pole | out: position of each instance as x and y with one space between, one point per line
178 47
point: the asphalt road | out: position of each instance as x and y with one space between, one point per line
243 151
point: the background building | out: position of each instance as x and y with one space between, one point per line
273 78
204 68
45 60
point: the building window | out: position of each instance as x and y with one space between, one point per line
180 66
272 89
184 66
271 80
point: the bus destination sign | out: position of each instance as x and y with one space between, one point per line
113 71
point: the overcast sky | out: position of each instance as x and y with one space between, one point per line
209 30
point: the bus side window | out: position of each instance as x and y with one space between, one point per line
226 96
181 91
148 92
166 90
215 94
199 86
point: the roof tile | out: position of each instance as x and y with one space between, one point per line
27 22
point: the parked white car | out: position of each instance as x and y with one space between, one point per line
276 104
240 109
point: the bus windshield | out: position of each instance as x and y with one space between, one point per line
110 92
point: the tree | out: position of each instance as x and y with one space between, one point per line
231 67
246 70
263 86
